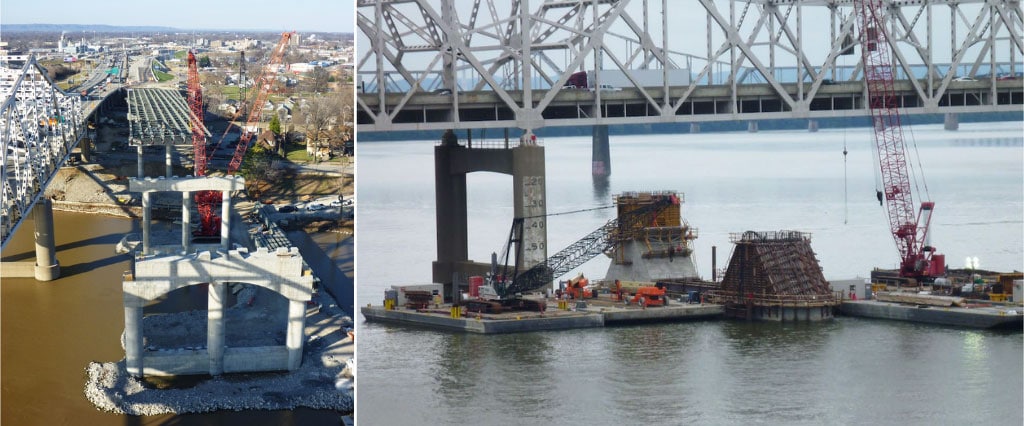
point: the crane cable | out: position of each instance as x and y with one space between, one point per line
919 168
846 200
570 212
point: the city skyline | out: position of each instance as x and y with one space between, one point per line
257 15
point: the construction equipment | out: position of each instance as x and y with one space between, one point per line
579 288
504 286
650 296
209 224
206 201
918 259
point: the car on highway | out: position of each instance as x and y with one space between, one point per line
315 207
288 208
964 78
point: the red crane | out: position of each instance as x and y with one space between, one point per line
910 231
207 201
209 224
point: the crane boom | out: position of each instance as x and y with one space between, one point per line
599 241
206 201
909 230
263 84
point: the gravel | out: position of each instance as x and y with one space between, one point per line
321 382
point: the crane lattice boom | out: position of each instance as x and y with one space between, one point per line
909 230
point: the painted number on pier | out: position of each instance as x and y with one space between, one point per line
534 235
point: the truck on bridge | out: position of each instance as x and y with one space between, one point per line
617 79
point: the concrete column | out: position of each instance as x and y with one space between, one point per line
752 127
812 126
529 201
215 327
86 149
186 221
694 127
167 159
296 335
47 267
140 170
133 340
601 165
147 217
225 221
450 206
951 121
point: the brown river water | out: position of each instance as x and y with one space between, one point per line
50 331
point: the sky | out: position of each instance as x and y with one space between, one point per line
275 15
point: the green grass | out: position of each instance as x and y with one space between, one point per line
180 54
230 92
162 76
296 153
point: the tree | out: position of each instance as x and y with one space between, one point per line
257 167
275 125
318 79
204 61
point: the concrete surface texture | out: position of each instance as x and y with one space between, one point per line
280 271
320 382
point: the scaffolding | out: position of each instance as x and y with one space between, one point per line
770 272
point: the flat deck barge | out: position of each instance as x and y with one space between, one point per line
599 313
986 317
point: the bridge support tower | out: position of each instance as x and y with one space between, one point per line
602 159
452 162
951 121
47 267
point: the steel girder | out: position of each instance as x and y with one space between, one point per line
524 51
39 125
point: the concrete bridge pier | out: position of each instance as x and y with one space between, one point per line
147 218
167 159
217 296
133 336
694 127
141 173
601 165
186 221
294 335
85 149
752 126
47 267
951 121
452 162
812 126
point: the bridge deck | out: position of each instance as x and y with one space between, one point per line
157 116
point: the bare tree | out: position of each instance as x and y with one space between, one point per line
320 115
318 79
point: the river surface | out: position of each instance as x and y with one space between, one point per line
50 331
845 371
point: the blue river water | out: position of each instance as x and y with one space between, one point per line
846 371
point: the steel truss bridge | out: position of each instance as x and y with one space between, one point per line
40 125
443 64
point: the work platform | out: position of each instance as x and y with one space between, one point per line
993 316
599 313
